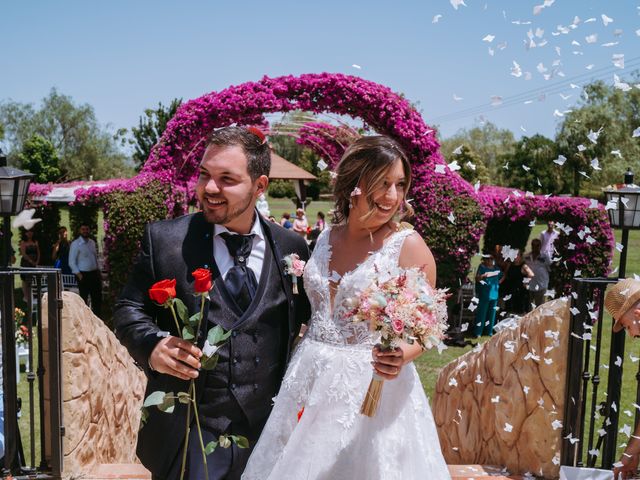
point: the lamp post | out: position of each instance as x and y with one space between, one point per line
626 217
14 185
627 214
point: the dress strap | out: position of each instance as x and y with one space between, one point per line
393 246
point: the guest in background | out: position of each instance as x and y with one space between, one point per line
60 253
300 224
83 260
319 222
540 265
516 296
547 238
488 278
30 252
285 221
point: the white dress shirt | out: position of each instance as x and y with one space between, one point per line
223 258
83 255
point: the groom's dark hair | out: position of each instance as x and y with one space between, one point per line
254 147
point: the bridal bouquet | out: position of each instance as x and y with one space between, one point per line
403 307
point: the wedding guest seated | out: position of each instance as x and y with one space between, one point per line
285 221
488 278
319 222
300 224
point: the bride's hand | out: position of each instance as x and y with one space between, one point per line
388 363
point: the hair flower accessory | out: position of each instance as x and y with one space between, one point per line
356 191
258 133
294 267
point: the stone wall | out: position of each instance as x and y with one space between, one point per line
102 392
503 402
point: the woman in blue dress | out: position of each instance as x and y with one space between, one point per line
488 279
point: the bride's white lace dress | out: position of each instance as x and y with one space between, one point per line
329 375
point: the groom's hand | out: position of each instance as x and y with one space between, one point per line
177 357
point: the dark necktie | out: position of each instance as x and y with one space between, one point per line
240 280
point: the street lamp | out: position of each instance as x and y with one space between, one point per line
627 214
14 186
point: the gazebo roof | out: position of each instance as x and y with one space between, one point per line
282 169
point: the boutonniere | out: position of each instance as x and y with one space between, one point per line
294 267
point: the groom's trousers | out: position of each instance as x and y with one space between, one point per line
222 464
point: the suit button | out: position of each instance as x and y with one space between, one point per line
255 386
257 360
233 386
235 360
234 334
291 303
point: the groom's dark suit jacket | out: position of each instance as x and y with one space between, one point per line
236 396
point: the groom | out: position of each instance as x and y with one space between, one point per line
251 295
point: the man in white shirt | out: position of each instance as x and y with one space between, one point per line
83 260
548 237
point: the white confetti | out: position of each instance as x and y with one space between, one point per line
452 218
508 427
591 38
606 20
357 66
488 38
436 18
322 165
456 3
636 133
556 424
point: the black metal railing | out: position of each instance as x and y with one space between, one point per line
591 415
44 391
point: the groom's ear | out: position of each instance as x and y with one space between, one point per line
261 184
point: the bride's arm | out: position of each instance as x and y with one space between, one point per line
414 253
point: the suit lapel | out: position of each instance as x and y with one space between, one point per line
270 233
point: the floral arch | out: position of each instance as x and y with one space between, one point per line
449 214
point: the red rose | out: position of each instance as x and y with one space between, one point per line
203 280
160 292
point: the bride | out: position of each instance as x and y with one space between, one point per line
315 430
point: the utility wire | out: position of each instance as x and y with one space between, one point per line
533 93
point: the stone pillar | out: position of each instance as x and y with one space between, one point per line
102 392
502 403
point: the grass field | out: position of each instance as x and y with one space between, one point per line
430 363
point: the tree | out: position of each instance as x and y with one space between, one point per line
487 142
150 129
86 149
39 157
608 115
531 168
472 167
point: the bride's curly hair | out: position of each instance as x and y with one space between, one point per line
365 164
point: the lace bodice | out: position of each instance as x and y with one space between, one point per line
332 326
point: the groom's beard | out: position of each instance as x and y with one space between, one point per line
228 213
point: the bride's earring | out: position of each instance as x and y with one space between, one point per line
371 237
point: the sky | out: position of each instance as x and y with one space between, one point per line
122 57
